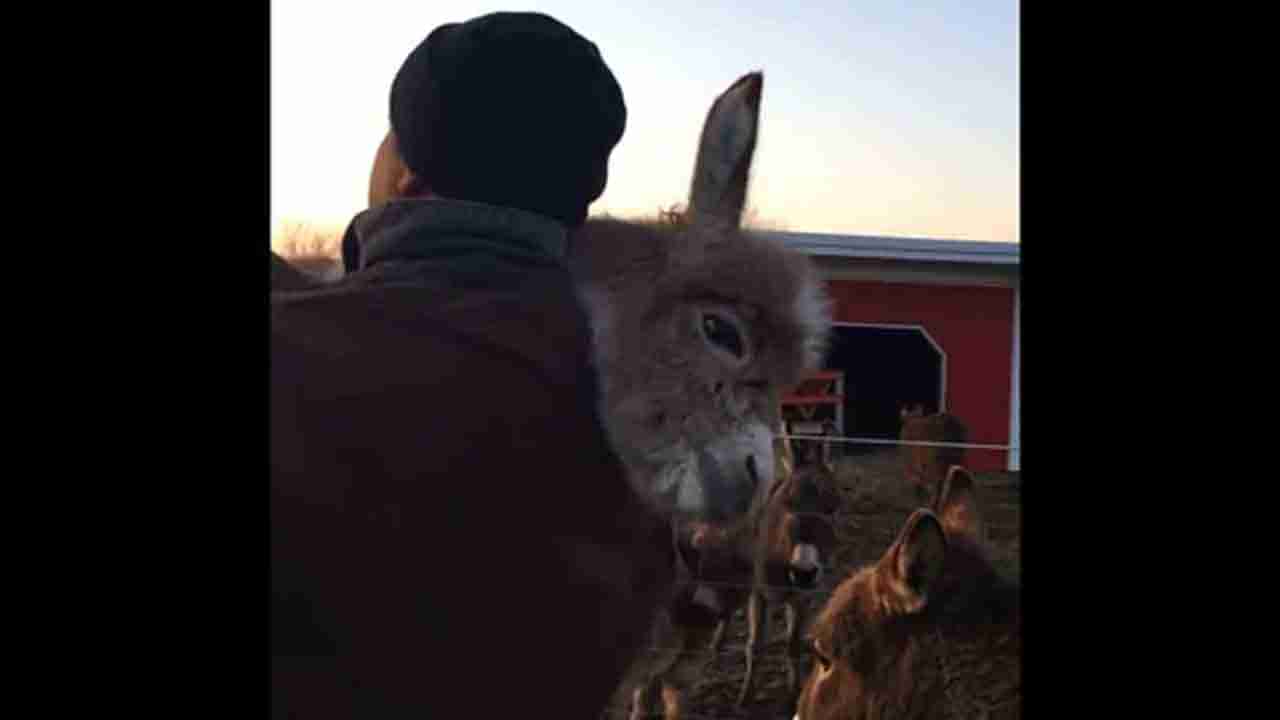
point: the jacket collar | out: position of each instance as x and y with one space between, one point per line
419 228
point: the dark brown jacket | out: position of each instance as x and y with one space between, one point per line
451 535
285 276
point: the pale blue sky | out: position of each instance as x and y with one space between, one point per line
878 118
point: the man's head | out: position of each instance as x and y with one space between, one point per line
510 109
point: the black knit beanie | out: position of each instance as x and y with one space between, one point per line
510 109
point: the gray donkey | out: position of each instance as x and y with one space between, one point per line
698 330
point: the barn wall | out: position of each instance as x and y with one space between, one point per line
974 326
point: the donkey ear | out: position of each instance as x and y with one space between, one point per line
719 188
913 563
957 504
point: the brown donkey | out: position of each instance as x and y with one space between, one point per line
926 465
777 560
796 542
930 631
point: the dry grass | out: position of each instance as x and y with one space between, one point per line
672 217
875 503
301 240
315 251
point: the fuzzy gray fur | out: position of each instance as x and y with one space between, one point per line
684 415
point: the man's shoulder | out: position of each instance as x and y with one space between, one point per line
538 326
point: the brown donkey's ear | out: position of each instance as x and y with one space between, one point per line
719 188
913 563
957 505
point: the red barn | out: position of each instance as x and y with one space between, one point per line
933 322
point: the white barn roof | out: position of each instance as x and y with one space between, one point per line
902 248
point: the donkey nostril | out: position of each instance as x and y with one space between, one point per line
752 473
804 577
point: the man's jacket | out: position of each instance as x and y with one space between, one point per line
451 534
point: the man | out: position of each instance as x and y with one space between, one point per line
451 534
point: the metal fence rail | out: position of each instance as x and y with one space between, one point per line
882 441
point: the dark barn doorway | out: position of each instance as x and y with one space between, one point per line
885 367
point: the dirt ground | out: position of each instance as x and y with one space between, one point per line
875 505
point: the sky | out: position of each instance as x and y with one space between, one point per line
878 118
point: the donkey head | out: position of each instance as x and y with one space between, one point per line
698 330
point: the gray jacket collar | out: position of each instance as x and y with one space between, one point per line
413 229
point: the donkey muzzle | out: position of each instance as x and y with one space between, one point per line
805 568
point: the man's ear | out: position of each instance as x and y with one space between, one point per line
410 185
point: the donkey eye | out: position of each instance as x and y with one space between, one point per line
723 333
